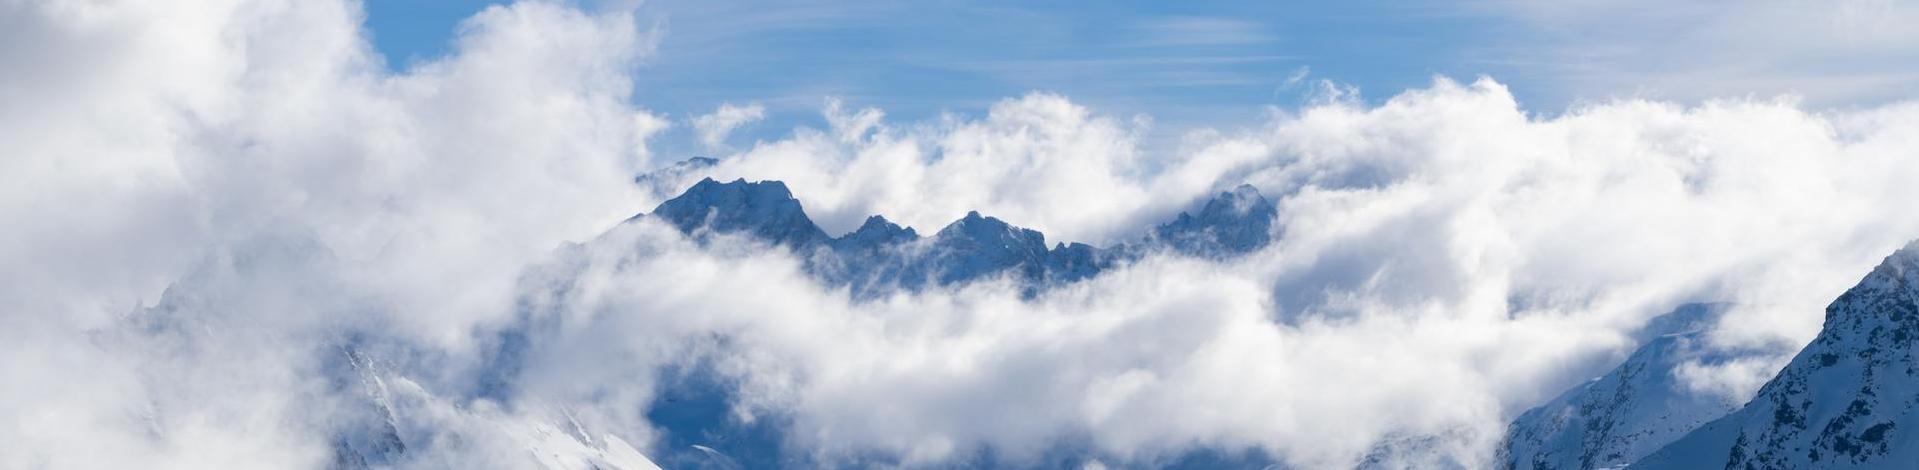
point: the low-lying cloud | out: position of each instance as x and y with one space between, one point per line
1449 258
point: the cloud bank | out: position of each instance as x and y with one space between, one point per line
210 204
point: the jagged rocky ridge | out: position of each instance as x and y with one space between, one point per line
1845 401
881 256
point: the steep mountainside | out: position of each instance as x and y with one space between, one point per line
1845 401
1632 410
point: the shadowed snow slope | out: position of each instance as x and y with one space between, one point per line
1632 410
1845 401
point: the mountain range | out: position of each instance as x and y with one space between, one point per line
1839 404
1847 400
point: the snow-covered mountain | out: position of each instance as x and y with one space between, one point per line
1632 410
368 411
1845 401
765 210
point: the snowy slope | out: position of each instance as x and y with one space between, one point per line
1632 410
1845 401
364 410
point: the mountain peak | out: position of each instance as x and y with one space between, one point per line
762 190
1245 192
992 230
1899 269
763 208
876 232
1241 200
877 222
1234 222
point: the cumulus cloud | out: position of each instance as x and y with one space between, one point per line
1446 247
714 127
156 138
250 235
1038 160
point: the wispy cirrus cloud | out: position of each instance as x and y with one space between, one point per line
1200 31
1845 53
714 127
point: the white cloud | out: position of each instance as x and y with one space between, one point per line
1446 255
645 126
157 136
1448 260
1039 161
714 127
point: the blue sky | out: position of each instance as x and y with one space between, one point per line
1215 64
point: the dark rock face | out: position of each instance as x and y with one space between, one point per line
1845 401
1235 222
876 233
881 256
976 245
370 437
762 209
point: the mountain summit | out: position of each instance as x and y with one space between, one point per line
1234 222
764 209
